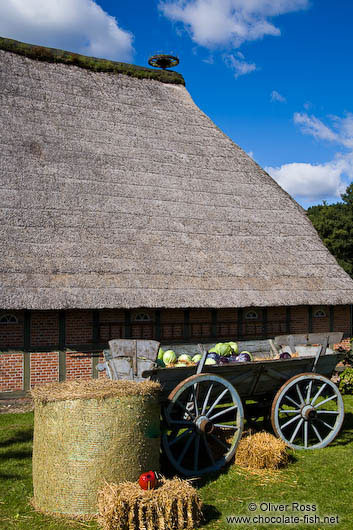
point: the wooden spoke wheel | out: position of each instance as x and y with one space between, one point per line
205 422
307 411
163 61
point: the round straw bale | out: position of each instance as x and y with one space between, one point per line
88 432
261 451
173 505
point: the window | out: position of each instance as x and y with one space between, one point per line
319 313
8 319
142 317
251 315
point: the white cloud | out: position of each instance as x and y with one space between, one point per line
239 66
310 181
313 182
276 96
315 127
228 23
345 130
209 59
77 25
342 132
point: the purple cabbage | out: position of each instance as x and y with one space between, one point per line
224 360
232 359
285 355
243 358
214 356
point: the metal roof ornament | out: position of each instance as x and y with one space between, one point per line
163 61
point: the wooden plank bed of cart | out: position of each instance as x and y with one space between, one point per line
203 412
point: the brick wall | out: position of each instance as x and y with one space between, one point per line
44 368
142 329
78 366
111 323
11 334
341 319
101 374
320 323
44 328
79 326
200 323
299 319
172 324
227 323
11 372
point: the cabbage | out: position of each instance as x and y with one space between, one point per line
184 358
234 346
197 358
215 348
285 355
248 353
221 348
225 350
181 364
160 354
214 356
209 360
169 357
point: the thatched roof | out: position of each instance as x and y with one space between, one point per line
117 191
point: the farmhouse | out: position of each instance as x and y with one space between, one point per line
125 212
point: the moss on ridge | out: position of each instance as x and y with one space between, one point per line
53 55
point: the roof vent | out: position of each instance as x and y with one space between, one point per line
163 61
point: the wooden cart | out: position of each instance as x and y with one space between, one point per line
203 412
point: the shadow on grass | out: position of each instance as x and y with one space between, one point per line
210 513
169 471
9 476
18 455
292 459
22 436
345 435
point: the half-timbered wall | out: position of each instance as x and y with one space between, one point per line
43 346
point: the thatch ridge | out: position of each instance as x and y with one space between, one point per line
54 55
119 192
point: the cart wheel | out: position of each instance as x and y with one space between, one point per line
307 411
205 422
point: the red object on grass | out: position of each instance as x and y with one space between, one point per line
148 481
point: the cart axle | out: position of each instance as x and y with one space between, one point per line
308 412
204 425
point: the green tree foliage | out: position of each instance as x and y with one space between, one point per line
334 223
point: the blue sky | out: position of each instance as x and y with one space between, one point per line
274 75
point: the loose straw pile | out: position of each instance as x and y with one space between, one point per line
261 451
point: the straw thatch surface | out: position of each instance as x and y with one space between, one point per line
93 389
175 505
81 443
261 451
120 192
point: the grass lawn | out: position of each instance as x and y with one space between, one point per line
323 478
